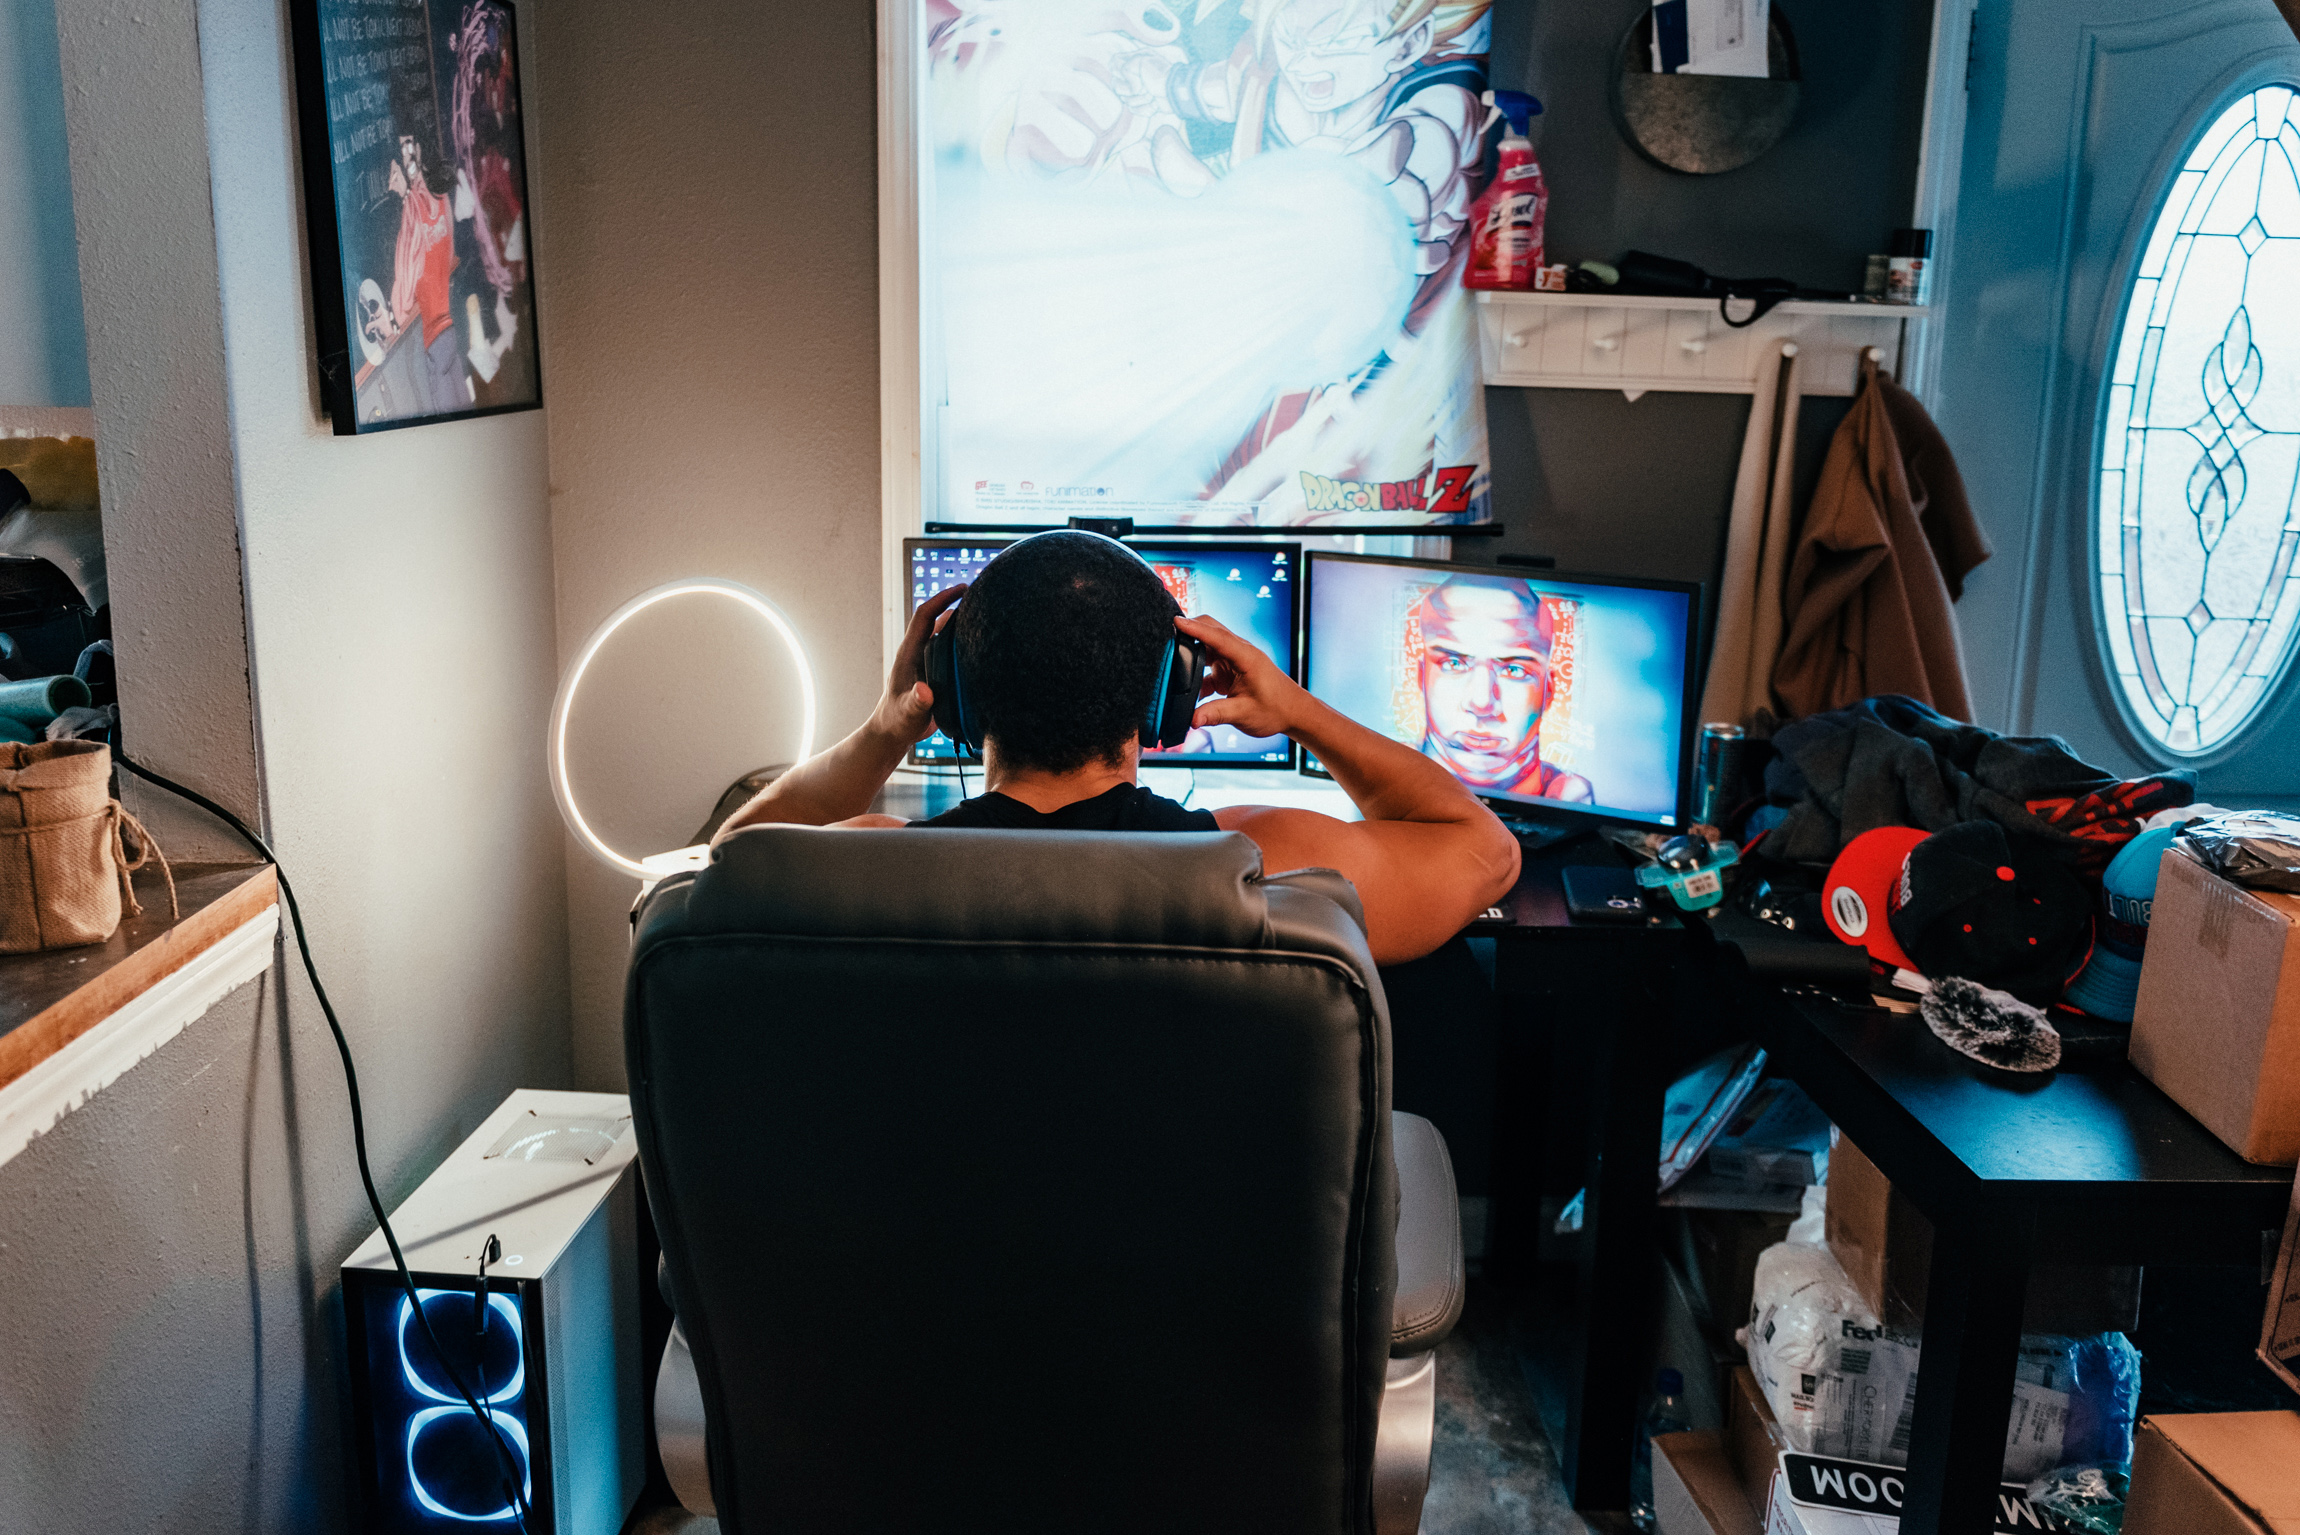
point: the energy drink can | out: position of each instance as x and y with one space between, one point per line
1717 772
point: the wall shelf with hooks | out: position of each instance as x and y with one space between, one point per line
1635 344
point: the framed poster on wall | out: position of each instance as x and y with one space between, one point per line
1198 262
415 191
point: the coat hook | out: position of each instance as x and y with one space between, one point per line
1788 349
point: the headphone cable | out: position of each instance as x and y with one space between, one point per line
515 1497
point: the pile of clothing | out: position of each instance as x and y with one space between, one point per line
1990 876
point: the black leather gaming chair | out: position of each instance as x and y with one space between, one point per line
1033 1181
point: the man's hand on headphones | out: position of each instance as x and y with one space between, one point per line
1257 697
906 709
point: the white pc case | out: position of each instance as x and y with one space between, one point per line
553 1354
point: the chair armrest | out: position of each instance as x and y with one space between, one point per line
1430 1275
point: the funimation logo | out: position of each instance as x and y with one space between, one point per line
1851 912
1447 493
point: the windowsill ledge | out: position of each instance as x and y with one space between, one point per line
73 1020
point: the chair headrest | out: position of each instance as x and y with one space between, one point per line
1198 889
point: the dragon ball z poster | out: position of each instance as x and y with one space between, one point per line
1198 262
416 180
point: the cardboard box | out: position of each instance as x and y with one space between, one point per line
1753 1437
2217 1020
2280 1328
1886 1249
1725 1246
1694 1489
2215 1473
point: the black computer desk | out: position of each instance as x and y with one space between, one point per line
2079 1166
1592 1012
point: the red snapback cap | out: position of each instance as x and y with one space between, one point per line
1857 898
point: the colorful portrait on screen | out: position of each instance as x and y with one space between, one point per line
1199 263
1486 685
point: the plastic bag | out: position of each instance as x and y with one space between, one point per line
2258 848
2104 1396
1809 1334
1843 1386
2084 1497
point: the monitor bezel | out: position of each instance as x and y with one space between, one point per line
1689 723
1297 603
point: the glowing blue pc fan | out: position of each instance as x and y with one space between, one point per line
551 1354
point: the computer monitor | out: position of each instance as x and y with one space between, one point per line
1558 693
1250 587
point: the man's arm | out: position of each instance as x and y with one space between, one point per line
839 784
1426 859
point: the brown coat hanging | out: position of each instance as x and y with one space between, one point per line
1886 546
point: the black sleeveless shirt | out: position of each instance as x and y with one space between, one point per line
1125 807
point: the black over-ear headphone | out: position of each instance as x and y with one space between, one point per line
1165 722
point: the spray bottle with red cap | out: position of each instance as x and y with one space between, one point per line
1505 221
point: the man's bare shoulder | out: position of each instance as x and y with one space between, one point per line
1289 837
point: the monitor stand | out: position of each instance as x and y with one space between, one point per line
1535 832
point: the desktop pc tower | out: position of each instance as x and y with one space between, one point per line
552 1352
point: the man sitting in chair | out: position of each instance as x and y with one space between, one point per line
1059 642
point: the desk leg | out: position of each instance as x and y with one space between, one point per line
1620 1263
1973 1303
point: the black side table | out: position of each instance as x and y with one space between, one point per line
2078 1167
1606 993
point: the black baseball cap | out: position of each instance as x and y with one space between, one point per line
1994 907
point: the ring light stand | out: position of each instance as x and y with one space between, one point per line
656 866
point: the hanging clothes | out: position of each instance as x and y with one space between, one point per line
1748 641
1884 553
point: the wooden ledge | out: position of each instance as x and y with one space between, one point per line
51 998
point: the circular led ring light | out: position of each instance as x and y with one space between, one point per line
564 705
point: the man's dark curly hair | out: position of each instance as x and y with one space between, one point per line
1059 641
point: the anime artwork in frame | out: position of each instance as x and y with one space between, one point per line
415 180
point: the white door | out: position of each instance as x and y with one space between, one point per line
2123 389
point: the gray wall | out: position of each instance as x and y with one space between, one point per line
169 1251
1601 483
43 347
710 328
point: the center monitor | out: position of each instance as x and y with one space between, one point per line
1248 587
1554 692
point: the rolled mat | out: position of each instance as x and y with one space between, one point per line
17 730
38 700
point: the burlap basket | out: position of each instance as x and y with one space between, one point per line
63 861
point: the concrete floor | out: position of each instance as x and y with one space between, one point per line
1492 1472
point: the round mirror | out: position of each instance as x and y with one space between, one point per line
1704 124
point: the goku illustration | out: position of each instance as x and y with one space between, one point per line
1305 102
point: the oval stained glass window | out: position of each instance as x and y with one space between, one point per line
2198 523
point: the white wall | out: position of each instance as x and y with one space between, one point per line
43 346
170 1251
709 320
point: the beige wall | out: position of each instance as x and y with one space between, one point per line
708 293
357 636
